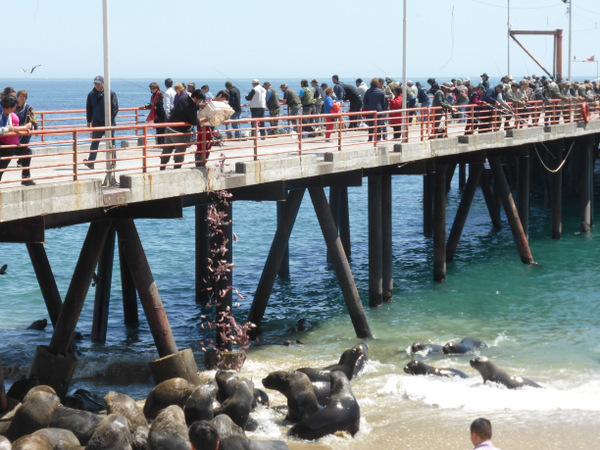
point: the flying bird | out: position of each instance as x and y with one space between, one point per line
3 269
30 70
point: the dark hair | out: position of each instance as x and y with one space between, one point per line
198 94
205 86
397 90
223 93
359 80
335 77
9 91
374 82
168 82
203 435
482 428
9 101
304 83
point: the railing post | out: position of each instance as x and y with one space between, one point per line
340 126
255 129
300 131
144 148
137 122
375 129
75 167
42 126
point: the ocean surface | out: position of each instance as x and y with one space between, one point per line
541 321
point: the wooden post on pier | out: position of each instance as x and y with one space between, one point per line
439 223
45 277
523 183
276 254
225 303
511 211
344 221
556 197
490 199
462 175
386 238
586 187
103 284
53 365
201 253
475 170
340 263
130 306
284 267
375 242
334 205
428 182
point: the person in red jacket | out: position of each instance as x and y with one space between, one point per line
396 118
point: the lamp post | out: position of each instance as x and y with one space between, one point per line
110 165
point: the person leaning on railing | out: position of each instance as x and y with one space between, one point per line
9 122
157 112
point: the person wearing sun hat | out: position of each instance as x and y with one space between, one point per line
441 105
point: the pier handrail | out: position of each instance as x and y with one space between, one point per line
59 152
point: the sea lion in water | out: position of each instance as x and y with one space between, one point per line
464 346
239 404
351 362
427 348
342 412
38 325
297 388
491 372
420 368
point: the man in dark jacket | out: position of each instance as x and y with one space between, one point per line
177 139
95 116
234 102
440 102
374 101
353 96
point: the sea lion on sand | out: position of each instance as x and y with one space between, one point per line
420 368
297 388
464 346
491 372
169 430
202 403
34 413
239 404
81 423
342 413
428 348
174 391
112 432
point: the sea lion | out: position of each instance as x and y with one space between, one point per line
174 391
5 443
202 403
117 403
31 442
34 413
420 368
297 388
21 387
239 404
491 372
464 346
81 423
342 412
112 432
38 325
83 399
232 437
169 430
426 348
58 437
260 398
226 383
351 362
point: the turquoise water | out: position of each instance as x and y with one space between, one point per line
540 321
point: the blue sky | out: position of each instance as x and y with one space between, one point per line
281 38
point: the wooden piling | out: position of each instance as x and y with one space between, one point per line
334 206
224 304
511 211
45 277
490 199
586 187
475 170
556 193
146 288
439 223
450 170
130 306
276 253
462 175
375 242
386 234
284 268
201 252
428 182
340 263
103 284
523 183
344 221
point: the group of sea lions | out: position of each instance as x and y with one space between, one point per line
488 370
319 402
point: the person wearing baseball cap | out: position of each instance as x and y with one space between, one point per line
95 116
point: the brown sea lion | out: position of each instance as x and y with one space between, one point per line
239 403
58 437
465 346
169 430
297 388
420 368
342 413
491 372
202 403
111 433
35 413
117 403
81 423
426 348
174 391
351 362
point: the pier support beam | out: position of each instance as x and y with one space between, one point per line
490 199
462 175
130 307
344 223
340 263
103 284
284 267
45 277
475 170
375 242
556 198
439 223
586 188
428 182
523 183
201 253
276 254
511 211
52 365
386 238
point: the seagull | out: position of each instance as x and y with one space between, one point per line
3 269
30 70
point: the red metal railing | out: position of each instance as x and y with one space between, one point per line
59 151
